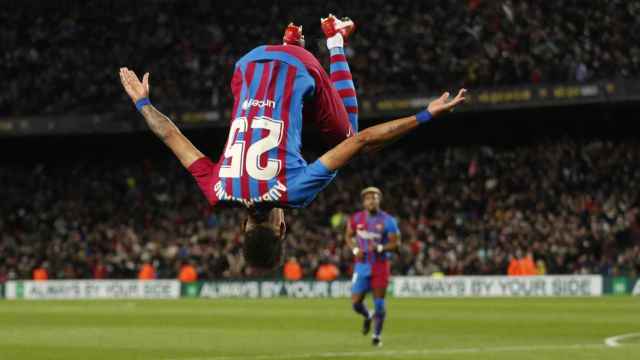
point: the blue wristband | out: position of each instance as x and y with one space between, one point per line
423 116
142 102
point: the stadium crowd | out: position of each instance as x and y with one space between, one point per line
401 46
462 210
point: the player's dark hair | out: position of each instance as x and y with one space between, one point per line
263 247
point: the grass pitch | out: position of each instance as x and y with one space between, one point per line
573 328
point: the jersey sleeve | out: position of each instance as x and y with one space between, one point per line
327 111
391 225
203 171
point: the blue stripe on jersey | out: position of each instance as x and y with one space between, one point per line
350 101
339 66
277 111
343 84
253 88
295 124
353 117
254 189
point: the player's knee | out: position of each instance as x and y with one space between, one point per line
379 306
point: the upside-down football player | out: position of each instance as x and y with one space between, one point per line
261 167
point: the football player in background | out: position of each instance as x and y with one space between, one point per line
372 234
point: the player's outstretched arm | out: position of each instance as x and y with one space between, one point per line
378 136
161 125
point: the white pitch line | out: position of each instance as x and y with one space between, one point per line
614 340
395 353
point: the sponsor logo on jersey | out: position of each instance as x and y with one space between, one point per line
368 235
258 103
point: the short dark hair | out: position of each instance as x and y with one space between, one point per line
263 247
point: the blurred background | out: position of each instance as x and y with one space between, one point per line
540 164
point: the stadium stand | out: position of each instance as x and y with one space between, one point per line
403 46
462 210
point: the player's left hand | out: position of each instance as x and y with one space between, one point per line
441 105
133 86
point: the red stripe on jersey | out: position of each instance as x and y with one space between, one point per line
263 185
347 93
262 86
341 75
352 109
338 58
248 76
236 100
286 109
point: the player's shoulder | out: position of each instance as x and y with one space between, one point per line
357 215
256 53
385 214
388 217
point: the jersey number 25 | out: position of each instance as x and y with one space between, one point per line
235 149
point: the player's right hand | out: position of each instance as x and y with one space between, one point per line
133 86
440 105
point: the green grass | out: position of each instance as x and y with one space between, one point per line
573 328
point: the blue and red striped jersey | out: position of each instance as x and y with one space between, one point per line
371 230
262 162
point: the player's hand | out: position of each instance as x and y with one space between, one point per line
133 86
440 105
